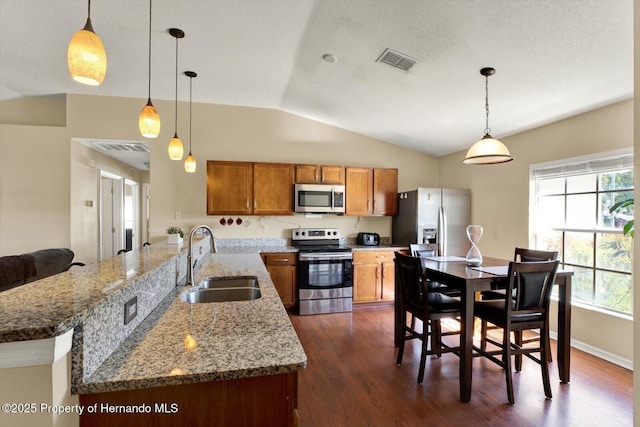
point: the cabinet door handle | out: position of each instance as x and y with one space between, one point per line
316 175
281 259
377 272
381 256
384 275
246 204
255 204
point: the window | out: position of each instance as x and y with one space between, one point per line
571 202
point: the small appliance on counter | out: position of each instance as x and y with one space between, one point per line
368 239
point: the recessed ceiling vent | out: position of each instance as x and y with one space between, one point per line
131 147
397 60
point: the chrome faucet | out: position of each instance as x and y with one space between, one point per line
189 281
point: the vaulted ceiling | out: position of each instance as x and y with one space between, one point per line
554 59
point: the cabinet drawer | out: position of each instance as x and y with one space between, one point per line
280 258
373 256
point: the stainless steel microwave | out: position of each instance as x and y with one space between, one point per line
319 198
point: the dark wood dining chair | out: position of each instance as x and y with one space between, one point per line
428 306
499 292
430 250
532 283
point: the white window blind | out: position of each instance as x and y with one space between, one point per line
606 164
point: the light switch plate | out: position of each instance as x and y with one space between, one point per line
130 309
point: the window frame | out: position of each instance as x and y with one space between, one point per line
613 161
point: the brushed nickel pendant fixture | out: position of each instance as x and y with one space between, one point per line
175 145
149 119
190 161
488 150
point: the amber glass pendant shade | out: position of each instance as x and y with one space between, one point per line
149 121
176 150
190 164
86 57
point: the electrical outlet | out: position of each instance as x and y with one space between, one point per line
178 214
265 229
130 310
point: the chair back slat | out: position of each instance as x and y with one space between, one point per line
533 282
409 272
423 249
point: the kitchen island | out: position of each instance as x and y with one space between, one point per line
195 364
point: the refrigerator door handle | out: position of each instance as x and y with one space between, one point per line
442 232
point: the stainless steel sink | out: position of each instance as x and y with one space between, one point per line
229 282
221 295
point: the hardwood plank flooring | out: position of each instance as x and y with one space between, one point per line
352 379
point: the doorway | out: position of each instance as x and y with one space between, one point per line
118 215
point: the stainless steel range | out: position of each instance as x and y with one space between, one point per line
325 283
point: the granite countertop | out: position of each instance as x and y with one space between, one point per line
54 305
182 343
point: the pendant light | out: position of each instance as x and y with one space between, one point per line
86 56
488 150
190 161
149 120
175 145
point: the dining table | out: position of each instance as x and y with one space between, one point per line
454 272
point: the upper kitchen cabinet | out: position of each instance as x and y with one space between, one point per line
273 189
229 188
385 191
359 189
319 174
371 191
245 188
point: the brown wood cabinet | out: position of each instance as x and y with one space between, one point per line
282 268
373 275
270 400
229 188
359 190
245 188
272 189
371 191
319 174
385 191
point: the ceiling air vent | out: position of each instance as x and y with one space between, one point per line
131 147
397 60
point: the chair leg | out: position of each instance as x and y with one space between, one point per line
544 346
518 357
483 335
423 352
403 339
506 359
436 338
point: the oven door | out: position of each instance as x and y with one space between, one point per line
324 270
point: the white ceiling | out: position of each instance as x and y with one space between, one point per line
553 59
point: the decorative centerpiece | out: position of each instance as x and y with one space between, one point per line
175 235
474 257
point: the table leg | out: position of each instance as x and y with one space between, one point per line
466 342
564 328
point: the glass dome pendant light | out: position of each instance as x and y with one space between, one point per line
488 150
86 56
190 161
149 119
175 145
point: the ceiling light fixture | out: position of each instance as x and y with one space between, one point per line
190 161
488 150
149 120
175 145
86 56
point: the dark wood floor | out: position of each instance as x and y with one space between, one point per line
352 379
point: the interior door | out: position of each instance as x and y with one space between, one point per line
111 215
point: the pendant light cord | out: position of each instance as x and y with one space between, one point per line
149 50
190 95
89 10
176 109
486 104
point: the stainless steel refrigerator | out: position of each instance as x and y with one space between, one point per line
434 215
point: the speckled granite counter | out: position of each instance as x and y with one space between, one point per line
183 343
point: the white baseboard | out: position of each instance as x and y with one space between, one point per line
609 357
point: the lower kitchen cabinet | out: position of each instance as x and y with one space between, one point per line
282 268
373 275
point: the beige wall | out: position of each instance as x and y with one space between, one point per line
500 203
37 208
